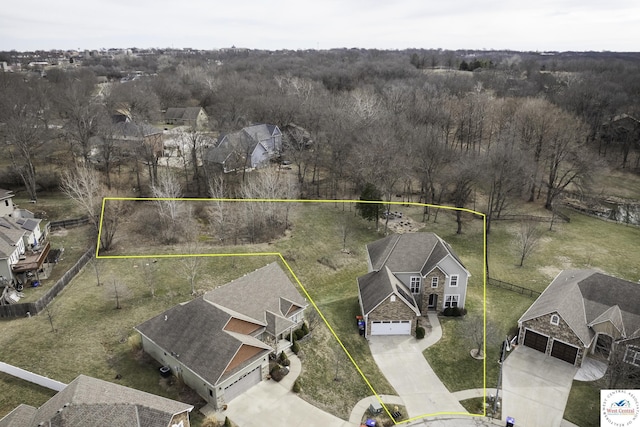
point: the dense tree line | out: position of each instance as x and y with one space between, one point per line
417 123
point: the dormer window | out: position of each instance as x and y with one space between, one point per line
555 320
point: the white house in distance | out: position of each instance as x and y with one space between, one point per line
409 274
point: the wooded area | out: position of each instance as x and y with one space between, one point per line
489 128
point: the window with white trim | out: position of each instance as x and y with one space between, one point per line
415 284
555 320
434 282
453 281
632 355
451 301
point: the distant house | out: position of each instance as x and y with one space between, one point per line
6 202
250 148
584 313
409 274
219 344
90 402
131 137
23 244
186 116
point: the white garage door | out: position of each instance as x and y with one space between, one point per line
242 384
391 327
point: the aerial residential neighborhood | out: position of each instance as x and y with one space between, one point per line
320 237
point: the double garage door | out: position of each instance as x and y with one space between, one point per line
391 327
559 350
242 384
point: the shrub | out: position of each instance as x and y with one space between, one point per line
420 332
305 328
448 311
283 357
210 422
298 334
295 347
296 387
227 422
279 373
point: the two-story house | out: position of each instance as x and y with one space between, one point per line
252 147
409 274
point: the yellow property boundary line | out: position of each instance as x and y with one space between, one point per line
279 255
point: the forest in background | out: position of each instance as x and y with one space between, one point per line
492 128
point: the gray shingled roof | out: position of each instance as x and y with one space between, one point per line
377 286
587 297
21 416
5 194
10 234
409 252
134 130
90 402
237 144
193 332
258 292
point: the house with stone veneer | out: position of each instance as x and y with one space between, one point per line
584 313
219 344
409 274
90 402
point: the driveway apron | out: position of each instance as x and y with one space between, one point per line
535 388
401 361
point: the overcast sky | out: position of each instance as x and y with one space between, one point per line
538 25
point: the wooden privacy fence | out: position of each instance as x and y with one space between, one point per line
33 308
65 223
513 288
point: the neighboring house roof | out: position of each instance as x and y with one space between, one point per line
185 114
134 130
10 236
207 334
584 298
267 289
376 286
5 194
241 144
194 334
237 144
405 252
88 402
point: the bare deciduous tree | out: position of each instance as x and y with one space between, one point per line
117 292
527 239
167 190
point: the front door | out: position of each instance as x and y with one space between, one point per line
433 301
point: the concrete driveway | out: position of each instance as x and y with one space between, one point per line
535 388
401 361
